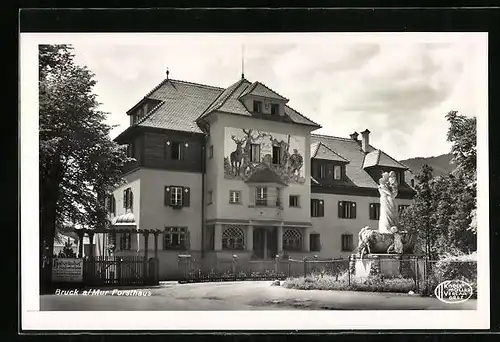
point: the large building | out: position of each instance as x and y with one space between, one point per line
238 171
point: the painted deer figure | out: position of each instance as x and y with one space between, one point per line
236 156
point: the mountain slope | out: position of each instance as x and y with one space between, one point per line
441 164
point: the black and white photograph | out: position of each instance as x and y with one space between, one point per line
216 180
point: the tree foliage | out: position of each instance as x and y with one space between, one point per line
443 212
78 161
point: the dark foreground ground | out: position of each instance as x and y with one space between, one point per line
249 295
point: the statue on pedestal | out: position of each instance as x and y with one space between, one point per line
389 238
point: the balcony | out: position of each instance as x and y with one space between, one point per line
266 210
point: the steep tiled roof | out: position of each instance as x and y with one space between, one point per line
220 100
371 159
350 150
380 158
260 89
181 103
229 102
321 151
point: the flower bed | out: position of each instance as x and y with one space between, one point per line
342 283
215 276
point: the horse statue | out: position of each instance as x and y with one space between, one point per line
372 241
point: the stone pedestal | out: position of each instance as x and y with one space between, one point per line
389 265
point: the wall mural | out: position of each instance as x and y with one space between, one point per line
248 150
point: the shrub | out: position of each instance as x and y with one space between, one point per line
454 267
342 283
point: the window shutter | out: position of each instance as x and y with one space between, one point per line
339 209
312 207
315 170
182 148
167 199
125 199
188 239
321 208
113 202
131 204
186 196
353 210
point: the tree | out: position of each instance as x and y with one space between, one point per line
463 136
78 161
443 213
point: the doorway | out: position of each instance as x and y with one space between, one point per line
265 243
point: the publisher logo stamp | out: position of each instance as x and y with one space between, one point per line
453 291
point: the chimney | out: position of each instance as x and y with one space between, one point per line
354 136
365 142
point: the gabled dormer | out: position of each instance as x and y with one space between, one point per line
259 100
376 162
142 109
327 166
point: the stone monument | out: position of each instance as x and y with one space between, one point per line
383 251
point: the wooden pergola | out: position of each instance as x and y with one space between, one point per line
113 231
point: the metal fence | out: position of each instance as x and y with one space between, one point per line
384 273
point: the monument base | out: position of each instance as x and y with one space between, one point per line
389 265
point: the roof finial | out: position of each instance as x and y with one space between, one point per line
168 72
242 61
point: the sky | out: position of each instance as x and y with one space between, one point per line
399 86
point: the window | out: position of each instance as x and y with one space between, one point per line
276 155
347 210
125 241
322 171
176 238
257 106
275 108
255 153
317 208
177 196
176 150
347 243
412 183
210 197
374 211
131 150
337 172
314 243
293 201
278 197
233 238
211 152
292 239
111 204
402 208
128 199
234 197
399 177
261 196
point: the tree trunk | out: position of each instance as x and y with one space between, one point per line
49 194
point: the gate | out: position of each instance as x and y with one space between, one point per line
120 270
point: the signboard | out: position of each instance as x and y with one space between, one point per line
67 270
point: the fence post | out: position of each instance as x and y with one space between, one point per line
305 267
415 270
119 270
235 258
349 270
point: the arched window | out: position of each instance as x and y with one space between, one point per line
292 239
233 238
